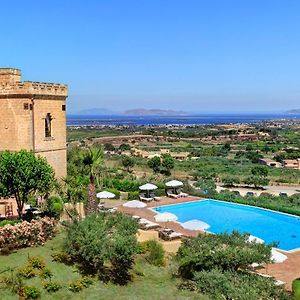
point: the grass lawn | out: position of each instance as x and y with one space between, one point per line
155 283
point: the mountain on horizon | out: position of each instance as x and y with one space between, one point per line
138 112
154 112
295 111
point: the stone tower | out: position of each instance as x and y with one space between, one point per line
33 117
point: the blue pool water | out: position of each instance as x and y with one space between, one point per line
222 216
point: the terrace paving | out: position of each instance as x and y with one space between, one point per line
286 271
149 214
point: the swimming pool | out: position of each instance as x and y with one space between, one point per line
268 225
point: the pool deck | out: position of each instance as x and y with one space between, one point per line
149 214
286 271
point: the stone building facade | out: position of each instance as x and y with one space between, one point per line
33 117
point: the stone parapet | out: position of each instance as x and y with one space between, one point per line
12 86
33 88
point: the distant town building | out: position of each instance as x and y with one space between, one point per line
269 162
291 163
180 155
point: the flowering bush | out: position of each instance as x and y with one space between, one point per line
26 234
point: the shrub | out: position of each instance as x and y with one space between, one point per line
9 222
55 206
154 252
62 257
133 195
86 281
221 285
224 251
114 191
230 181
217 265
100 239
26 234
46 273
79 284
36 262
51 287
27 271
29 292
76 286
296 289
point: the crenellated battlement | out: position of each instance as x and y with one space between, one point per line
11 85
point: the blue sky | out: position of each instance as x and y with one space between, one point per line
193 55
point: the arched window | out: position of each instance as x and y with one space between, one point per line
48 120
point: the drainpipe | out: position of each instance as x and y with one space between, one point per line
33 125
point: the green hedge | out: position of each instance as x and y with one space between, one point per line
133 195
10 222
287 205
114 191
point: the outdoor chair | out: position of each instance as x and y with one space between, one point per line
145 199
154 197
167 234
172 195
146 224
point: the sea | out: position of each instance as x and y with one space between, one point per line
92 120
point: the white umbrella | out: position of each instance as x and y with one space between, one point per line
148 187
174 183
165 217
278 257
106 195
135 204
195 225
255 239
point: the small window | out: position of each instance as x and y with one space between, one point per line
48 121
30 106
63 107
26 106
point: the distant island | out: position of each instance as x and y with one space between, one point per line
154 112
293 111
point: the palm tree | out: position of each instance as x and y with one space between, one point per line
92 159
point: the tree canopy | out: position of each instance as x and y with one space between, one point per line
23 174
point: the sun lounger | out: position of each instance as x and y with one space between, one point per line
172 195
145 199
175 235
143 221
154 197
136 217
107 209
169 234
150 225
146 224
181 194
